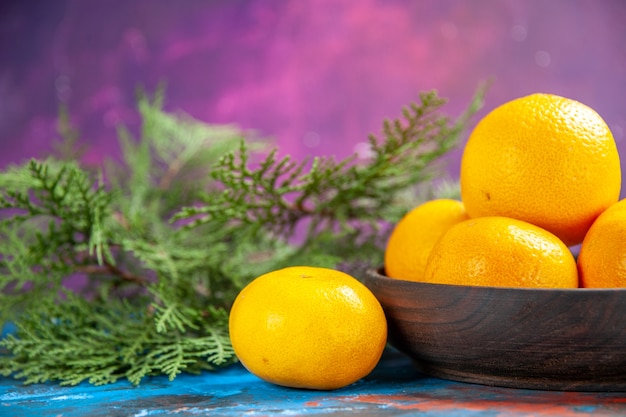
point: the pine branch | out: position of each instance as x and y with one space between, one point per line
79 341
191 214
59 192
280 193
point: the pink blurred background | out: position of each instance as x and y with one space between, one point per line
317 75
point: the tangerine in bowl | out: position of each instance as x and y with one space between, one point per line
486 289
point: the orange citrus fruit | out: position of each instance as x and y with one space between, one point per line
602 257
307 327
501 252
544 159
413 237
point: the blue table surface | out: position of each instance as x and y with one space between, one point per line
394 388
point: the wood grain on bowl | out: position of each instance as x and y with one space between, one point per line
552 339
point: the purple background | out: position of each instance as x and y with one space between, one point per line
317 75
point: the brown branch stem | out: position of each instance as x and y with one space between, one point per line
172 170
108 268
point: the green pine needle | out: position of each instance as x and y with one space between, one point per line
162 242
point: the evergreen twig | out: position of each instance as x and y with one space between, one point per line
192 214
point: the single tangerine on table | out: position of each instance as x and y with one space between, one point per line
501 252
413 237
308 327
544 159
602 257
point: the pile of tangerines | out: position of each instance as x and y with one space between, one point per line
539 175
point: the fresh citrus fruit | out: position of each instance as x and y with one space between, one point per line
307 327
501 252
602 257
415 234
544 159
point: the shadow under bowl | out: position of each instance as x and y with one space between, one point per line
549 339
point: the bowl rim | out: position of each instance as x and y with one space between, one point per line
379 273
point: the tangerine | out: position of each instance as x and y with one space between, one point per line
602 257
308 327
545 159
413 237
501 252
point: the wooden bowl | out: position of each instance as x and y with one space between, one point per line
550 339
